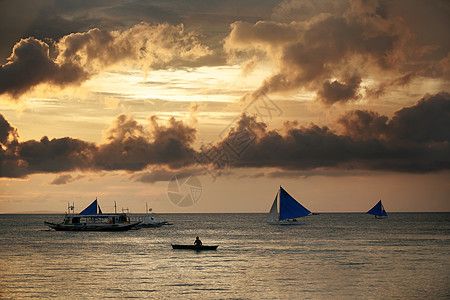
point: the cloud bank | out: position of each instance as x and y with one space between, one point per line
129 147
415 139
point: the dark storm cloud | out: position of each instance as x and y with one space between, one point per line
30 64
364 125
129 147
427 121
55 155
415 139
45 156
333 92
332 52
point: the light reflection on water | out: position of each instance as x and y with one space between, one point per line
333 255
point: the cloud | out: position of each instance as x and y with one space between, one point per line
53 156
427 121
160 174
333 92
415 139
30 64
128 147
364 125
7 132
123 127
65 179
148 46
78 56
302 10
332 52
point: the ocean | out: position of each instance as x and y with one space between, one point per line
336 255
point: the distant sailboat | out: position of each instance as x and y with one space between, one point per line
149 220
290 209
378 211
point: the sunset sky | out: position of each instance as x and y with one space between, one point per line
343 103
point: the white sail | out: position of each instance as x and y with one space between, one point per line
273 213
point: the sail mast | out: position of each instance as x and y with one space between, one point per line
279 202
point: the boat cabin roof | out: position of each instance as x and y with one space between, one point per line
95 216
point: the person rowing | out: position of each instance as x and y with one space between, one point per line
197 242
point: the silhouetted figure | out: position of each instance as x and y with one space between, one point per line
197 242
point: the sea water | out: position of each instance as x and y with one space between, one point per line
340 256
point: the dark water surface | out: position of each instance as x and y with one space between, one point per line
341 256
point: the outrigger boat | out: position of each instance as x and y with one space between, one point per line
194 247
93 219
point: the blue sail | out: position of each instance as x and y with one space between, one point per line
378 210
91 209
290 208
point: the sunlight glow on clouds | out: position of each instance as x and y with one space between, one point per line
221 84
81 55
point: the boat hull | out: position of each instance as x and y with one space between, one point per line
92 227
193 247
153 225
286 223
149 225
380 217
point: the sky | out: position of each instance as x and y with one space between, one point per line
210 106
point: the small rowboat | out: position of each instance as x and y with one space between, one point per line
193 247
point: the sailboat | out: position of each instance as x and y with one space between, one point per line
290 209
378 211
